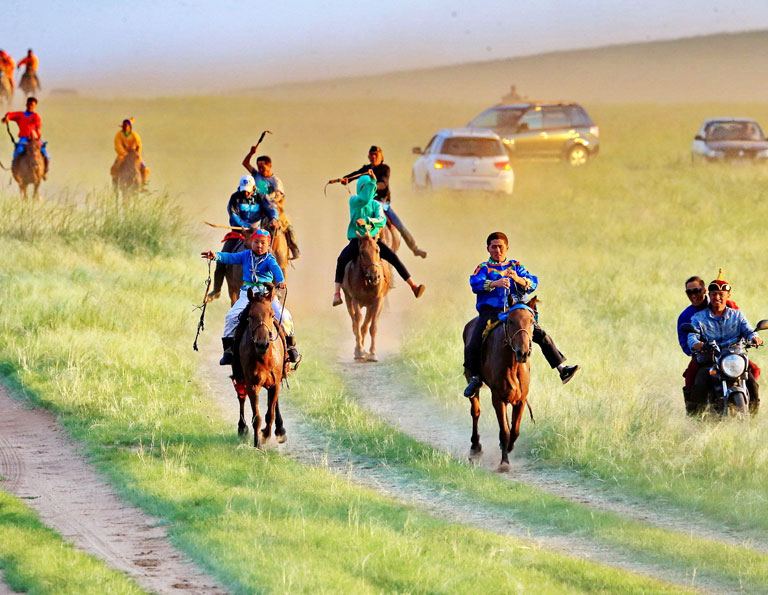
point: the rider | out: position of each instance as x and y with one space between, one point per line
259 267
29 123
7 65
127 140
271 186
724 325
696 291
31 62
381 172
366 216
493 281
247 211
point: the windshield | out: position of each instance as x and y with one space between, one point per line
734 131
472 147
496 117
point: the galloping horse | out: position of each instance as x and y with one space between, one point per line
262 363
6 93
366 282
127 178
29 167
507 372
29 84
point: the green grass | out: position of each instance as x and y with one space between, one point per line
102 338
34 559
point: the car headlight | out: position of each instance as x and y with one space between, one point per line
733 365
717 154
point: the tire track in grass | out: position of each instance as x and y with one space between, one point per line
309 446
44 467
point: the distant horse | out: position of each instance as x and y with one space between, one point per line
29 84
29 167
126 176
366 282
507 372
6 91
261 365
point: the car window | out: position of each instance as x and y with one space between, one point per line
430 145
531 120
734 131
579 117
498 117
488 119
460 146
555 117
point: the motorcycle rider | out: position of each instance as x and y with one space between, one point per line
696 291
724 325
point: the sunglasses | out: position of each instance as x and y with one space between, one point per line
694 291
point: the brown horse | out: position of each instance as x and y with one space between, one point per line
366 282
6 91
262 360
507 372
126 175
29 168
29 84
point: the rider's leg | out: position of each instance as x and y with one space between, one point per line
46 157
144 173
21 146
387 254
690 376
699 391
230 325
290 237
754 393
348 254
409 241
552 354
284 316
473 349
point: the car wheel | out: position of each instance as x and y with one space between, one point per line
578 155
428 187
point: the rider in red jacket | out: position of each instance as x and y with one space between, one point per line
29 123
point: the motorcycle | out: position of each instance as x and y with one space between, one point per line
729 366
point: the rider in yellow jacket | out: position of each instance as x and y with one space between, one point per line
127 140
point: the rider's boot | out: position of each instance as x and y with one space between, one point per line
144 174
411 243
218 281
418 290
567 373
47 162
474 385
229 355
337 301
293 353
290 237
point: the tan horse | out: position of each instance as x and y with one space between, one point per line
366 282
262 363
29 168
6 92
126 176
506 370
29 84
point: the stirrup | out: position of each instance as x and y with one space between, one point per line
475 383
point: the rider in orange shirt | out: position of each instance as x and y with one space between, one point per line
30 61
7 65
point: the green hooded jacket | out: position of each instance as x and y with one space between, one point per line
364 206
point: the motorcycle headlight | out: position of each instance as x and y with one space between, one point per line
733 365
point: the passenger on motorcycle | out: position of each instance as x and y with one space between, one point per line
494 282
725 326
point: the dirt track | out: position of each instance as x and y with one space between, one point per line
42 465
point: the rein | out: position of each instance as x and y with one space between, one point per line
201 324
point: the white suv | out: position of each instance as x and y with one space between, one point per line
464 159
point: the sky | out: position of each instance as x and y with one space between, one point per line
165 45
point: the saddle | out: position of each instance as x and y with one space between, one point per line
503 316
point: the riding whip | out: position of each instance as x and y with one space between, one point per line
261 138
8 128
201 324
337 181
226 226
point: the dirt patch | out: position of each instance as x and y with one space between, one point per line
39 463
4 588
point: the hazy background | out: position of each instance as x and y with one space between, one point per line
147 47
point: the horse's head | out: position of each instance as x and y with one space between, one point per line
520 331
370 259
260 318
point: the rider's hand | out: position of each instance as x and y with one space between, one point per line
344 181
209 255
281 285
370 173
758 341
360 222
500 283
698 346
253 149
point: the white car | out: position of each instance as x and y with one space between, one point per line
730 139
464 159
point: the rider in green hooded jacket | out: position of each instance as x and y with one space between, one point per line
366 216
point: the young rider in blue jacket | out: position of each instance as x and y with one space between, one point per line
494 281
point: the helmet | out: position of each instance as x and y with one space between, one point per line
247 183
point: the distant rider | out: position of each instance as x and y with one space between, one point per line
367 216
381 171
30 124
126 140
726 326
7 65
31 62
246 210
495 281
259 267
271 186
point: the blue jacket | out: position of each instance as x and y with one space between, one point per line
686 316
256 269
491 271
249 211
725 330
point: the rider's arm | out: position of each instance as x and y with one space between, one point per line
682 338
746 329
478 280
247 160
234 217
275 269
379 221
138 143
119 147
232 257
533 280
268 207
362 170
382 180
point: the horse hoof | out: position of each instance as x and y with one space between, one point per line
476 449
503 468
371 357
242 430
265 435
281 438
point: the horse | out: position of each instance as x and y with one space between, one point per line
262 365
126 176
366 282
6 91
29 167
506 370
29 84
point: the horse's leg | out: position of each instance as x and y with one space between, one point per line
272 395
37 192
279 427
242 427
474 411
355 313
375 312
500 406
253 395
517 416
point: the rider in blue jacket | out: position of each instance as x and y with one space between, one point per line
495 281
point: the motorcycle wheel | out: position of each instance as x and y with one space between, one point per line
737 407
